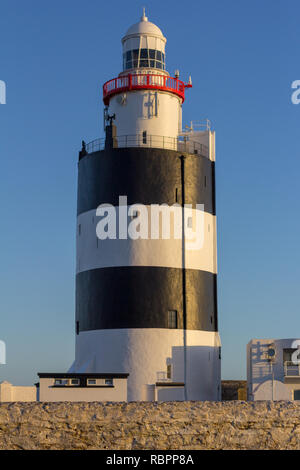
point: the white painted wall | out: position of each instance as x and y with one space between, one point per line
93 253
169 393
145 353
266 379
206 138
9 392
158 113
89 393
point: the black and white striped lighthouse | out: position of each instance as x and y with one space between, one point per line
146 294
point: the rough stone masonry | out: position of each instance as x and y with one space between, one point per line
150 425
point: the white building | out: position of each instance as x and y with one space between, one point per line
273 371
82 387
10 393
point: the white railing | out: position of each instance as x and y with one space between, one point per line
162 377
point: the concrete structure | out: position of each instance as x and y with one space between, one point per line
9 393
82 387
147 304
273 370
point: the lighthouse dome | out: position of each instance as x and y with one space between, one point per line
144 27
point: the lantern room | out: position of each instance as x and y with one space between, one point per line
144 46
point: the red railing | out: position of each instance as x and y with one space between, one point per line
143 82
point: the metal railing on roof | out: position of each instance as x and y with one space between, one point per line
143 81
180 144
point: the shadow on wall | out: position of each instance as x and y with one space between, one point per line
196 366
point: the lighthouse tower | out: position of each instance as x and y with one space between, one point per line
146 293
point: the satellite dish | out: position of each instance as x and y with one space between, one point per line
271 354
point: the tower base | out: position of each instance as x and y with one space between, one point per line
159 361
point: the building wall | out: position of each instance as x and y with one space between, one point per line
170 393
266 379
158 113
90 393
11 393
194 357
200 251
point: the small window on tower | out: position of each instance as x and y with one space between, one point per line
172 319
144 137
169 371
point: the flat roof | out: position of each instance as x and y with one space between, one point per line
71 375
169 384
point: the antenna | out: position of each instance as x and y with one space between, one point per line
144 17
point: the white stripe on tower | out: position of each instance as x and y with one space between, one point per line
200 252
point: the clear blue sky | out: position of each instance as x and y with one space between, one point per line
54 58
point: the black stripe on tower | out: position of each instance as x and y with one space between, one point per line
140 297
146 176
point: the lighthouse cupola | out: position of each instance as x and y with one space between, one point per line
144 47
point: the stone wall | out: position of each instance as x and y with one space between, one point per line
147 425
